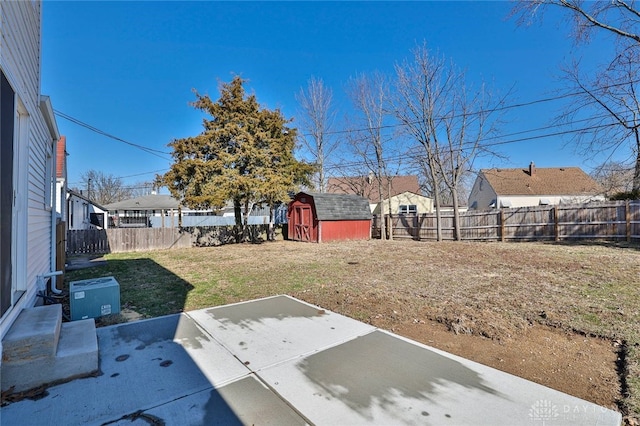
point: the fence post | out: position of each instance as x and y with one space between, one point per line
502 227
556 224
627 213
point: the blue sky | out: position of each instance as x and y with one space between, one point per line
128 68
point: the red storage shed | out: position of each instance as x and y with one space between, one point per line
315 217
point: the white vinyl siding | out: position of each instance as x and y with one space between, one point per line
20 62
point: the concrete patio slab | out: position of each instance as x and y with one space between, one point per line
281 361
246 401
276 329
384 379
143 365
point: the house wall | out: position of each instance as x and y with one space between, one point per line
33 153
482 194
341 230
61 203
79 214
424 204
529 201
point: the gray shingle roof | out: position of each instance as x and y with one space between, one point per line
341 206
146 202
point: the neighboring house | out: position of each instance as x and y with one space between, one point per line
406 203
164 211
35 345
315 217
61 178
499 188
155 210
84 213
404 192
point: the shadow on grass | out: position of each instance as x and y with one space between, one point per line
147 289
596 243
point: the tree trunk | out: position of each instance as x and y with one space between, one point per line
246 232
271 234
436 199
390 227
383 234
456 215
237 213
636 172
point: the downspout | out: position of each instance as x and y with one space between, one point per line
54 197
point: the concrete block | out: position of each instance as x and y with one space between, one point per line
77 356
33 335
77 350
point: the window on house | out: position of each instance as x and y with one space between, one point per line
408 209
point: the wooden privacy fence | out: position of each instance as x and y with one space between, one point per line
114 240
100 241
613 221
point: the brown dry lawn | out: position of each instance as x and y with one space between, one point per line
567 316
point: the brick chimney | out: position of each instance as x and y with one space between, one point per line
532 169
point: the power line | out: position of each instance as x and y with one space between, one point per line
103 133
128 176
497 109
400 157
503 142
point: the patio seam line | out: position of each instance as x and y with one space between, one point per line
202 328
285 400
168 401
302 355
315 351
206 331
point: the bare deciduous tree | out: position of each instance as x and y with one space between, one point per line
317 119
370 94
448 120
610 101
103 188
609 97
618 17
614 177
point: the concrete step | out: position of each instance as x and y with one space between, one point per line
76 356
33 335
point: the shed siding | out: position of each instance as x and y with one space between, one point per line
20 62
329 217
340 230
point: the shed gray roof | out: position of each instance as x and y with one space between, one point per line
341 206
146 202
